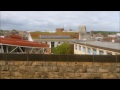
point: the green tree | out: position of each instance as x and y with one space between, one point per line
62 49
14 31
1 32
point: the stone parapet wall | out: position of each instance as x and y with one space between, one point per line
58 70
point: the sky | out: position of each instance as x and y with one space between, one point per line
50 20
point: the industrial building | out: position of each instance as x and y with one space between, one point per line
87 45
96 48
54 40
17 44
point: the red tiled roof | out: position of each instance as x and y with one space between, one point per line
15 36
18 42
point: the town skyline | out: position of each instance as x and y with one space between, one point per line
49 20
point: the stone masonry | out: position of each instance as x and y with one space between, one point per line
58 70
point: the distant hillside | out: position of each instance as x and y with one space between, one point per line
104 32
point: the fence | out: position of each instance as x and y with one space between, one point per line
70 58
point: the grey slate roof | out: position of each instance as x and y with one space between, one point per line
110 45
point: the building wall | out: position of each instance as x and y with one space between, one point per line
50 46
105 52
58 70
59 30
55 43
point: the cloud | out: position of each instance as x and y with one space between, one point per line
50 20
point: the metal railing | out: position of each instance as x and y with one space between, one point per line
70 58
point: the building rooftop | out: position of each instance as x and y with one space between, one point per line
54 36
54 40
19 42
109 45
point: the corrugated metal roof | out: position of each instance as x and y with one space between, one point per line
18 42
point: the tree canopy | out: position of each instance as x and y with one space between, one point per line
62 49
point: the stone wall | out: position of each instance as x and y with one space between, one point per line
58 70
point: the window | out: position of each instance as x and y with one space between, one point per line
76 47
84 49
52 44
80 48
94 51
109 53
88 50
101 52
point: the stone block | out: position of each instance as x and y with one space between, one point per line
84 69
117 70
27 63
112 69
30 76
69 75
117 75
11 63
95 64
71 64
17 74
30 73
60 74
38 75
108 65
80 64
86 75
77 75
18 77
18 62
108 76
5 68
13 68
103 70
45 75
55 68
78 69
53 75
50 63
88 64
2 63
70 69
33 68
62 68
22 68
92 70
112 76
40 63
5 75
62 64
47 68
96 76
118 65
50 69
40 69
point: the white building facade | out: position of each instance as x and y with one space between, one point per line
80 48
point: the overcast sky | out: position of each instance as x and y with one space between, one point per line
50 20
